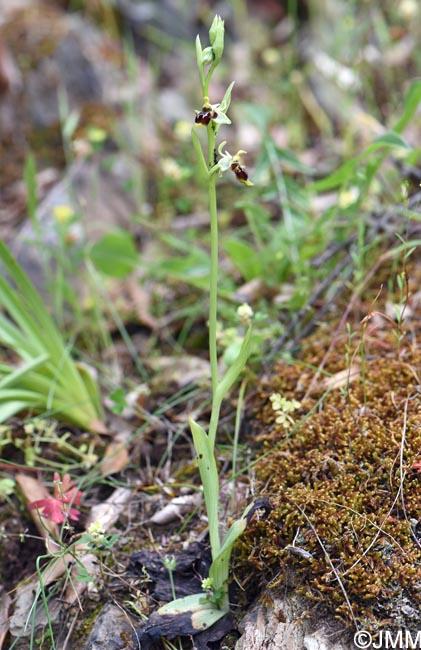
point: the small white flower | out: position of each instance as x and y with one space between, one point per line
207 584
245 314
96 532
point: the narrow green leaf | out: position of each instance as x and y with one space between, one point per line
347 171
12 337
210 480
199 53
411 102
391 139
235 369
29 396
19 278
71 123
337 178
27 328
219 570
16 308
19 373
11 407
30 176
28 306
291 160
90 384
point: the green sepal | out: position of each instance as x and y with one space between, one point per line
226 100
199 55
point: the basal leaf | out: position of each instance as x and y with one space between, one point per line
192 603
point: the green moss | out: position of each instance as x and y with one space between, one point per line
85 626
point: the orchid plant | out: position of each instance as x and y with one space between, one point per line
212 603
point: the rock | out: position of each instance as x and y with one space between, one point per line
112 630
190 565
68 55
10 7
282 624
96 193
24 603
59 74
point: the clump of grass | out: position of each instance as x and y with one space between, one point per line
47 381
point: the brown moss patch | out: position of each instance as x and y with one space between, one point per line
342 481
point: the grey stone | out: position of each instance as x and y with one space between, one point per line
112 630
97 195
282 625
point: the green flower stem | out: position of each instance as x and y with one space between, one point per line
213 281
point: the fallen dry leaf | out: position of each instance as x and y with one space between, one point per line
341 378
182 370
141 301
176 509
250 291
5 602
116 456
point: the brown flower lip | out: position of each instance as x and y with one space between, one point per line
205 116
239 171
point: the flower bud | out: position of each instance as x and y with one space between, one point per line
216 37
169 562
207 56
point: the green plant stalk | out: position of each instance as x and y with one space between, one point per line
239 410
213 287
